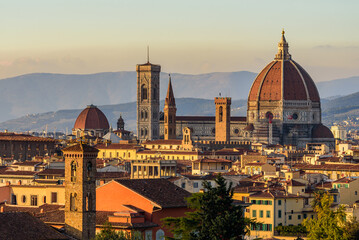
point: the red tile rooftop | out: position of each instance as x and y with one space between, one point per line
213 160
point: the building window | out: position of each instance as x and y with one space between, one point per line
279 213
54 197
279 202
220 113
148 235
13 199
290 217
73 171
254 213
160 235
195 185
260 213
44 199
33 200
335 198
356 193
144 92
73 201
23 198
268 214
299 217
183 185
89 170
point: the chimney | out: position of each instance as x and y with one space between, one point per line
2 209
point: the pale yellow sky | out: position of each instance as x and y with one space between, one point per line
185 37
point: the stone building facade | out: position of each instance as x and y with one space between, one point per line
283 108
80 191
23 147
148 101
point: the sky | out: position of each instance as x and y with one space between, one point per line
187 36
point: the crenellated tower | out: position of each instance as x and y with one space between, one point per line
80 191
223 118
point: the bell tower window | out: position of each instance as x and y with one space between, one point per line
144 94
220 113
73 171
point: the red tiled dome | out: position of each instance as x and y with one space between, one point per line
91 118
321 131
283 79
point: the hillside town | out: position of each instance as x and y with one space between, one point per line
276 159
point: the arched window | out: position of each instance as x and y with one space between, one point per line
160 234
89 169
73 171
146 115
144 94
88 205
142 133
146 132
73 201
142 115
220 113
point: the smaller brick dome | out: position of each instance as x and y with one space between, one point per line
91 118
321 131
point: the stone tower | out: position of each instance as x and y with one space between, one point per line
120 124
148 103
223 118
80 191
170 113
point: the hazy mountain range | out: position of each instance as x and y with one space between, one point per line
32 101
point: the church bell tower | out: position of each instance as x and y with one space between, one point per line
148 101
170 113
80 191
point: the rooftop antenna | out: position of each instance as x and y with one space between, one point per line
148 54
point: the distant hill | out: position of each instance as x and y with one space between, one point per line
65 119
44 92
341 108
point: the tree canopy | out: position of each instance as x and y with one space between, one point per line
329 223
214 216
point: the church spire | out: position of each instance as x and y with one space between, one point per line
170 98
283 53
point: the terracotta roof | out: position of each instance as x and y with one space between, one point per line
117 146
164 142
17 173
213 160
50 171
295 183
160 191
329 167
321 131
91 118
207 118
21 225
80 147
273 194
167 152
285 76
112 175
27 163
23 137
345 180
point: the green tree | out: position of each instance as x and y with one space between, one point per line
329 224
214 216
351 229
108 233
